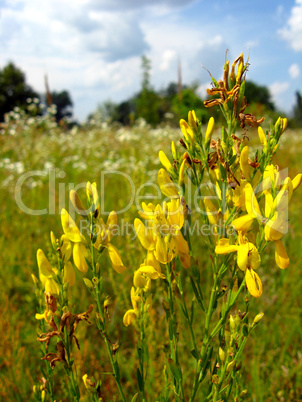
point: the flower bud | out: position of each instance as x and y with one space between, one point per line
53 241
232 323
230 366
258 318
209 132
35 279
165 161
88 283
77 203
173 149
181 172
221 355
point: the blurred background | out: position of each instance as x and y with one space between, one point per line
88 86
91 53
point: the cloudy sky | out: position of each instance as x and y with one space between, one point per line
93 48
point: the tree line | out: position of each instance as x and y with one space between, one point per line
168 104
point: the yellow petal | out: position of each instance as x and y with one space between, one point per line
244 163
224 247
253 283
284 196
53 240
92 195
165 161
248 257
139 280
144 234
182 243
43 264
151 260
276 227
51 286
211 211
134 299
186 130
281 256
161 250
251 202
69 275
166 249
185 259
175 214
129 317
210 129
70 228
166 184
77 203
150 272
66 248
115 258
181 172
262 137
297 181
243 223
79 254
111 225
269 204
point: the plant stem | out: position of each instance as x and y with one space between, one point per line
103 330
173 341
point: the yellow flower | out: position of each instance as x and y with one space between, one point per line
187 132
166 184
244 163
70 229
163 232
47 274
131 314
275 218
165 161
248 260
105 234
209 132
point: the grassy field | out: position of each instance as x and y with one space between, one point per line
272 364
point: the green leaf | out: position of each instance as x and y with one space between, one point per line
194 353
175 370
140 379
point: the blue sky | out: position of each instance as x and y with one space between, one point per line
93 48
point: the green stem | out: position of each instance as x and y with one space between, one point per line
206 339
67 344
141 352
173 341
103 330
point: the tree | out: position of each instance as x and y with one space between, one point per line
149 104
14 91
189 101
64 104
255 93
297 112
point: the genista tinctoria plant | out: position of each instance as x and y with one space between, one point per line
243 210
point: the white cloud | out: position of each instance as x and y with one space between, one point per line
277 90
294 71
292 32
168 57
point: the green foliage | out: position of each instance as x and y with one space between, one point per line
63 102
14 91
83 154
297 111
188 100
258 94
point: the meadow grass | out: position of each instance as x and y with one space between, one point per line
272 364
